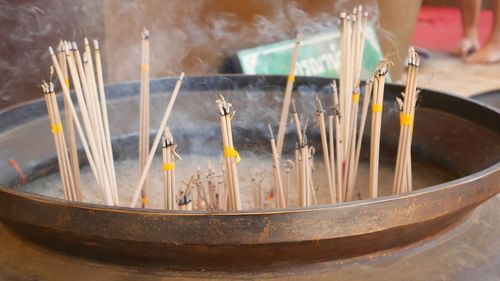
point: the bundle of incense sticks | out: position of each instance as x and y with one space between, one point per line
403 172
230 154
377 107
70 130
92 102
352 41
169 155
70 189
144 111
207 190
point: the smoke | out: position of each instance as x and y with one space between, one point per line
191 36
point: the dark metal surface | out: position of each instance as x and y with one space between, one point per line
489 98
276 238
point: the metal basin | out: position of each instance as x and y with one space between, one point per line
453 134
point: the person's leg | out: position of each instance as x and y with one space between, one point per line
490 52
470 10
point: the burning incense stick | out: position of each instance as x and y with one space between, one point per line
230 154
378 99
169 169
287 97
57 129
156 141
403 174
144 111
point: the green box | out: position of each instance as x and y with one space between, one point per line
319 55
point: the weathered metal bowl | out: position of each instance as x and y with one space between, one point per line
454 134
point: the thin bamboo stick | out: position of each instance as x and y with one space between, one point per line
280 194
144 111
364 113
326 157
287 97
338 142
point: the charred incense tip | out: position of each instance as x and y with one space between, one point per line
168 139
383 67
74 46
85 41
181 77
51 51
96 45
343 15
145 34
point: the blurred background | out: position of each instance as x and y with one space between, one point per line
200 37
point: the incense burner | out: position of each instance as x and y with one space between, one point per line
453 134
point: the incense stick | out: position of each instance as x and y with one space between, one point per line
144 111
287 97
364 113
230 154
280 194
326 157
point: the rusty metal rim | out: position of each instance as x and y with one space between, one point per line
120 209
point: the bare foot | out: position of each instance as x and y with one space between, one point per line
490 53
465 47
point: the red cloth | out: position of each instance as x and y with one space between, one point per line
440 28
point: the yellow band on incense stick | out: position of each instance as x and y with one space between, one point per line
145 67
291 78
56 128
231 152
144 201
168 166
377 107
66 81
406 119
355 97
